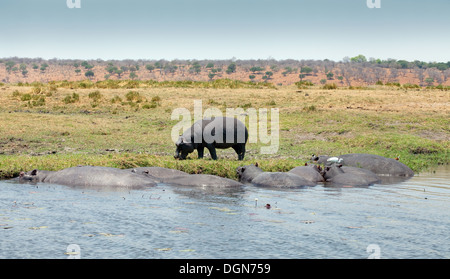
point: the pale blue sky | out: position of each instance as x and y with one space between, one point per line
222 29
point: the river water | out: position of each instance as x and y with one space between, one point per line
402 220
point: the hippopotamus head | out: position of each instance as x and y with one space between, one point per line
33 176
331 171
184 147
247 173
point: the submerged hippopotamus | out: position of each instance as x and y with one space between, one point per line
377 164
158 173
217 132
349 176
309 172
90 176
256 176
179 178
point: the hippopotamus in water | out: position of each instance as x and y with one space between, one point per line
254 175
90 176
217 132
180 178
247 173
349 177
309 172
158 173
377 164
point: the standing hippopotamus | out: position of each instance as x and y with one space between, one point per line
254 175
217 132
90 176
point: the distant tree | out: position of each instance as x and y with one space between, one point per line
24 73
403 64
118 72
251 77
111 69
358 59
195 68
330 75
306 70
9 65
301 76
435 74
169 68
44 67
231 68
210 65
77 71
150 67
211 76
429 81
256 69
89 74
133 75
341 78
323 81
35 67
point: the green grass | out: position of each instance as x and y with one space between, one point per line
124 128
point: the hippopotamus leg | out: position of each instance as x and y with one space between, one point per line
240 150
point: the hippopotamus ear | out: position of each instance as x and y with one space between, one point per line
34 172
256 164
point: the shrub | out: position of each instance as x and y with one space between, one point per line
25 97
95 95
156 99
310 108
116 99
410 86
16 93
133 96
330 86
71 99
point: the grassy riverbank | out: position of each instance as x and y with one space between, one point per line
54 126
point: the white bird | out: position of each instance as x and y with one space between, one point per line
335 160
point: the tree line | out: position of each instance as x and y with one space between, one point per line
349 69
